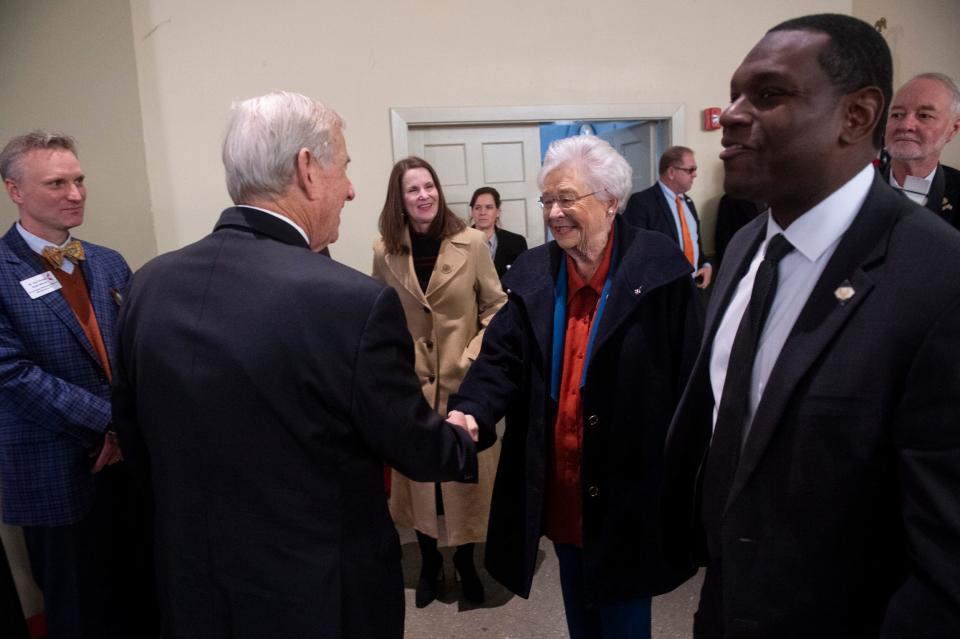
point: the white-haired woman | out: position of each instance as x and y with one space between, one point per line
587 361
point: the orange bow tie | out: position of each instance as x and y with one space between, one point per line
72 251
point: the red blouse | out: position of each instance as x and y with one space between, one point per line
564 493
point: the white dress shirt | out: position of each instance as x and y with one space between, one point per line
915 188
37 244
815 236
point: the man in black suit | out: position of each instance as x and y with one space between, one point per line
485 212
263 386
822 416
666 207
924 116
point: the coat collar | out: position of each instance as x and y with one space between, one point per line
453 254
646 262
862 248
250 219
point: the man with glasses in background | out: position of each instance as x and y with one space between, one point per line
665 207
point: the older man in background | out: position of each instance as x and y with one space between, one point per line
263 386
924 117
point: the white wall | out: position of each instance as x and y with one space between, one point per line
69 66
366 56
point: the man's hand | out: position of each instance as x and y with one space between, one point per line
466 422
704 276
109 452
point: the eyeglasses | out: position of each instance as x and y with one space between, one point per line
565 201
689 170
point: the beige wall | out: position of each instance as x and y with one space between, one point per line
155 178
69 66
922 35
366 56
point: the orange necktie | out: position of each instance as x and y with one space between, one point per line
685 231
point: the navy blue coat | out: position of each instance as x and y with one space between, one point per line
54 393
264 386
644 348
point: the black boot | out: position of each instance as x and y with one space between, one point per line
469 580
431 570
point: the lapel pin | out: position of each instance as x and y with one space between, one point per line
945 205
638 290
844 292
117 296
445 269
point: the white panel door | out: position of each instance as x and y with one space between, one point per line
506 157
635 144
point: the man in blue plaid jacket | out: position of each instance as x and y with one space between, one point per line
80 510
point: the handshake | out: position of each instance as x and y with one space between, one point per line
466 422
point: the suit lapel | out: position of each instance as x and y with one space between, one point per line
401 265
822 317
30 264
736 262
936 194
667 214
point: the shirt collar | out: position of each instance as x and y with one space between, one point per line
596 282
671 196
817 229
279 217
928 179
36 243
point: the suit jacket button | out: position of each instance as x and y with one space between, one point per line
426 309
593 491
431 379
593 420
429 344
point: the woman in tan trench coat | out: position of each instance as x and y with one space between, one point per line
449 289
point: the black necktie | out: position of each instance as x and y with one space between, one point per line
724 454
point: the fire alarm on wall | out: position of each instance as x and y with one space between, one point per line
711 119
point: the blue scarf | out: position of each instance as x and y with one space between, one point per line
560 322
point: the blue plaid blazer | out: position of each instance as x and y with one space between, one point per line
54 393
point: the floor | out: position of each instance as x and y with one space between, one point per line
506 616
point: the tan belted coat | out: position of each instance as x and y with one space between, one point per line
447 325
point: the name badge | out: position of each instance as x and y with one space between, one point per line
40 285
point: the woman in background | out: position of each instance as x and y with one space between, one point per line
485 215
449 289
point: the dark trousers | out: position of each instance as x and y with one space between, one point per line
96 575
629 619
12 623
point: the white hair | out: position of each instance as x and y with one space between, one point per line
264 136
947 83
602 167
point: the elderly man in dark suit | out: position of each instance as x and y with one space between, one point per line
264 386
665 207
58 307
924 117
822 417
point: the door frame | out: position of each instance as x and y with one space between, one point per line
402 118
